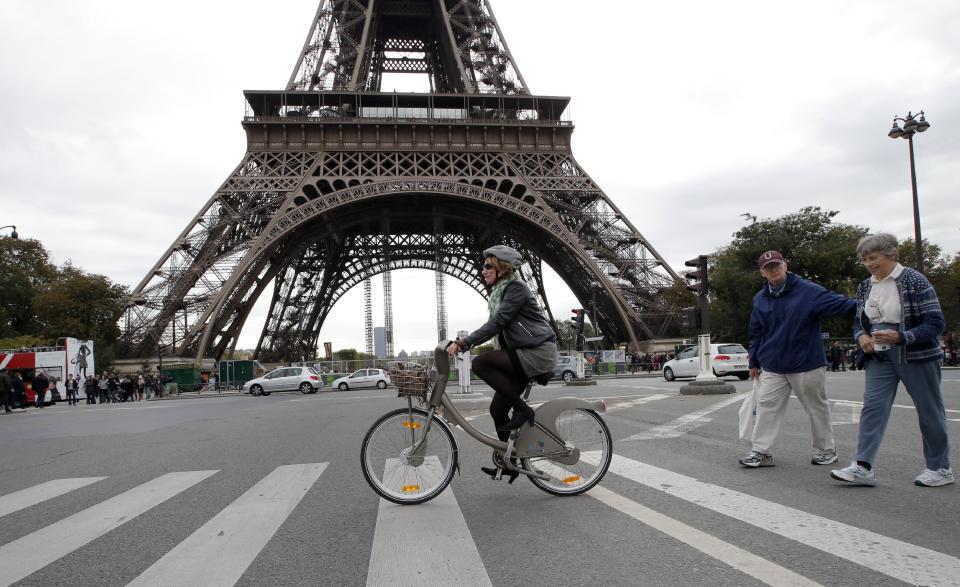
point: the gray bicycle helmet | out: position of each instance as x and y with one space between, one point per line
504 253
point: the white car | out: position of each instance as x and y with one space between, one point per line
304 379
363 378
728 359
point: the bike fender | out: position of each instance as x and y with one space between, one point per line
532 442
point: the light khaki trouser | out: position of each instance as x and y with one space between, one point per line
772 397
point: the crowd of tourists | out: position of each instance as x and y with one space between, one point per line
103 389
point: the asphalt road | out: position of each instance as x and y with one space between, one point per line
268 491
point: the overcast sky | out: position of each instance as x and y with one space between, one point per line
120 119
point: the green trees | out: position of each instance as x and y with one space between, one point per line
40 302
817 249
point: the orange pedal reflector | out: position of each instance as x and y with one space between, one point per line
410 488
411 424
571 479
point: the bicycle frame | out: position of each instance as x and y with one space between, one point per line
540 440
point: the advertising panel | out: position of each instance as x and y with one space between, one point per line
618 356
80 362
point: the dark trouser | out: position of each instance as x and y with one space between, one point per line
72 397
41 394
497 370
5 399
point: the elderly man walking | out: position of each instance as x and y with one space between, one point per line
786 353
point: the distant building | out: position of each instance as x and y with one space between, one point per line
380 342
402 354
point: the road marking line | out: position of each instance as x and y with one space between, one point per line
739 559
425 544
30 496
637 401
897 559
856 403
32 552
686 423
219 552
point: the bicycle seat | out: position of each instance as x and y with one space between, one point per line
542 379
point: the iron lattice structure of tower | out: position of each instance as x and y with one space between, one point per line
341 181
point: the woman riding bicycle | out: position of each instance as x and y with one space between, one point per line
526 345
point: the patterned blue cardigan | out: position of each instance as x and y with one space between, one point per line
922 322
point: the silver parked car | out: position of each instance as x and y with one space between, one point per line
363 378
566 369
304 379
728 359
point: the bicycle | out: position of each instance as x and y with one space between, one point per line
409 455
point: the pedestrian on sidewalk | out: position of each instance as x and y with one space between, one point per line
72 387
786 353
40 384
898 326
6 391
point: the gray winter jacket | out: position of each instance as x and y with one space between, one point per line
519 318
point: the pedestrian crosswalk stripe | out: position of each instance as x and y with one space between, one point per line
220 551
32 552
685 423
30 496
426 544
739 559
897 559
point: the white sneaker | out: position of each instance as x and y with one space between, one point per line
827 457
934 478
855 475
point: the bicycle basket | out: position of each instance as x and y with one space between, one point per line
411 379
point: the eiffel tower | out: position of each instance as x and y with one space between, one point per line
342 181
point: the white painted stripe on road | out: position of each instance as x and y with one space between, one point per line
30 496
220 551
686 423
856 403
897 559
32 552
427 544
637 401
739 559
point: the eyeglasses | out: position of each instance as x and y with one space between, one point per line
488 266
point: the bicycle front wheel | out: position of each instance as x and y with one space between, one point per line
401 468
586 431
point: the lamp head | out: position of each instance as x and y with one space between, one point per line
922 124
910 124
896 132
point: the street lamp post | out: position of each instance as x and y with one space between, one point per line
13 234
912 126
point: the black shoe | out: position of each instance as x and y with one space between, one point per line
518 419
492 471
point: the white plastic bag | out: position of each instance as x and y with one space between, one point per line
748 412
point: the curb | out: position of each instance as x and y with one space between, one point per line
707 388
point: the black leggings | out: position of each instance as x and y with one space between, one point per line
508 381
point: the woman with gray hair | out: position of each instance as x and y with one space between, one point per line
898 326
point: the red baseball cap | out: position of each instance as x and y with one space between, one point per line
770 257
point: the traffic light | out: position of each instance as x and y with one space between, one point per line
578 322
578 317
700 285
691 318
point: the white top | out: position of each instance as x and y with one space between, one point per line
883 304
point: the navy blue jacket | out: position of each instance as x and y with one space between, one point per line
785 329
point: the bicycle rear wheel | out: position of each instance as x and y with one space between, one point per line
585 430
395 470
